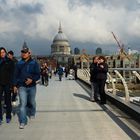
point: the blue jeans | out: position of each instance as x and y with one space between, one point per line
27 103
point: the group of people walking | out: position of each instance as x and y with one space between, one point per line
21 77
98 76
67 71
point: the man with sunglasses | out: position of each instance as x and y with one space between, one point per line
27 72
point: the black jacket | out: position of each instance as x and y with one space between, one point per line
93 72
102 72
6 71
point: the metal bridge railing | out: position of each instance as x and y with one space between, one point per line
126 77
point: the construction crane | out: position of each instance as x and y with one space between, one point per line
121 47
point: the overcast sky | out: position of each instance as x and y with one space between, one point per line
86 23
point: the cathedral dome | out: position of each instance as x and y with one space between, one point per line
60 47
60 36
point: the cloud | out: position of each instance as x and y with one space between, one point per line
31 9
82 21
134 29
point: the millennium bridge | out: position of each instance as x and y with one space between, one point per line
64 111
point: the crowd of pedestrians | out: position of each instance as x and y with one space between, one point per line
21 77
67 72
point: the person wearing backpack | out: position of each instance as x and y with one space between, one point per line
60 72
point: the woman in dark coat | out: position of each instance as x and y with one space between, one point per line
102 69
6 76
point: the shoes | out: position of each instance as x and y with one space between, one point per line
102 102
32 117
96 99
92 100
8 120
22 125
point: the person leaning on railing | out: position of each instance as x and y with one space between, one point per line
102 69
94 85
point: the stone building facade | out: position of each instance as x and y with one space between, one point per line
60 48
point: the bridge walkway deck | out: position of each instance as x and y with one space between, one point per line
64 112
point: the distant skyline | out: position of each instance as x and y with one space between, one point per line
87 24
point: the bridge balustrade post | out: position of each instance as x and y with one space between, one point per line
87 73
80 73
127 98
113 85
136 74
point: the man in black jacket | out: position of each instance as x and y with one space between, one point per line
10 55
93 80
6 75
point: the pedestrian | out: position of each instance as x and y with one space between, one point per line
60 72
6 75
93 79
47 74
44 74
14 95
66 71
75 71
27 72
102 69
50 72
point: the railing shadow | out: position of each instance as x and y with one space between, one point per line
81 96
114 117
69 110
120 123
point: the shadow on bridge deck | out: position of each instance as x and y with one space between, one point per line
64 112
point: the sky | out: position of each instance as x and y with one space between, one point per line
86 23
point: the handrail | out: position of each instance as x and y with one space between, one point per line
127 98
113 85
84 74
126 69
136 74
